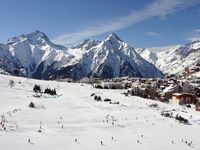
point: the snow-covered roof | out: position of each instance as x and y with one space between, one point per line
177 94
168 89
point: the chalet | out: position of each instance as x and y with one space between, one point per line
198 106
112 85
145 90
186 87
127 84
196 91
167 92
183 98
163 97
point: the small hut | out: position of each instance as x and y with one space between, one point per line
183 98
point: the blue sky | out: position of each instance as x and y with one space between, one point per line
144 23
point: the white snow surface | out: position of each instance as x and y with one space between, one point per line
84 119
197 74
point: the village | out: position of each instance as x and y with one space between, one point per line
181 89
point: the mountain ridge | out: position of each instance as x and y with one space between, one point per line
175 59
34 55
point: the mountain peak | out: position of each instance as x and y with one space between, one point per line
34 37
113 37
39 37
87 44
38 34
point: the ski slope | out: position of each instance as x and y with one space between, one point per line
75 115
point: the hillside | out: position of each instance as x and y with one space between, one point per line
75 115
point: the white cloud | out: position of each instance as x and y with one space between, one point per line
151 33
159 8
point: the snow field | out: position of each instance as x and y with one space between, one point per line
75 115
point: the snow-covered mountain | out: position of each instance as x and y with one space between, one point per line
173 59
30 54
106 59
34 55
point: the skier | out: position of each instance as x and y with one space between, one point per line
113 122
138 141
101 142
16 125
